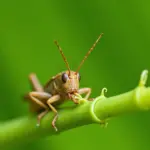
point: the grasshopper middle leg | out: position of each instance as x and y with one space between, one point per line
37 98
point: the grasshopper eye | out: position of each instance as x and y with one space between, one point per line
79 77
64 77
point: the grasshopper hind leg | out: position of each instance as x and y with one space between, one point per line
35 84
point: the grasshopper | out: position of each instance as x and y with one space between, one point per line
59 88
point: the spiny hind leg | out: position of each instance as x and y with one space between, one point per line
51 100
37 98
36 86
86 91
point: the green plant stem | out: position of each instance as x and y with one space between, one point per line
25 130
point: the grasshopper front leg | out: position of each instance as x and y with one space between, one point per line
86 91
51 100
73 98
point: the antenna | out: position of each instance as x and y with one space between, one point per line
91 49
63 56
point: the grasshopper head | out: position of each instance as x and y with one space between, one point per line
70 81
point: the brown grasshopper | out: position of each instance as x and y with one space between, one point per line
59 88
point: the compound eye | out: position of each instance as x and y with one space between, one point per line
64 77
79 77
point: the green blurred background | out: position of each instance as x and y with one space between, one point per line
27 31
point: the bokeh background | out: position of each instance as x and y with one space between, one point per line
27 31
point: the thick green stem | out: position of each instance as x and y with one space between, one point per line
138 99
25 129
